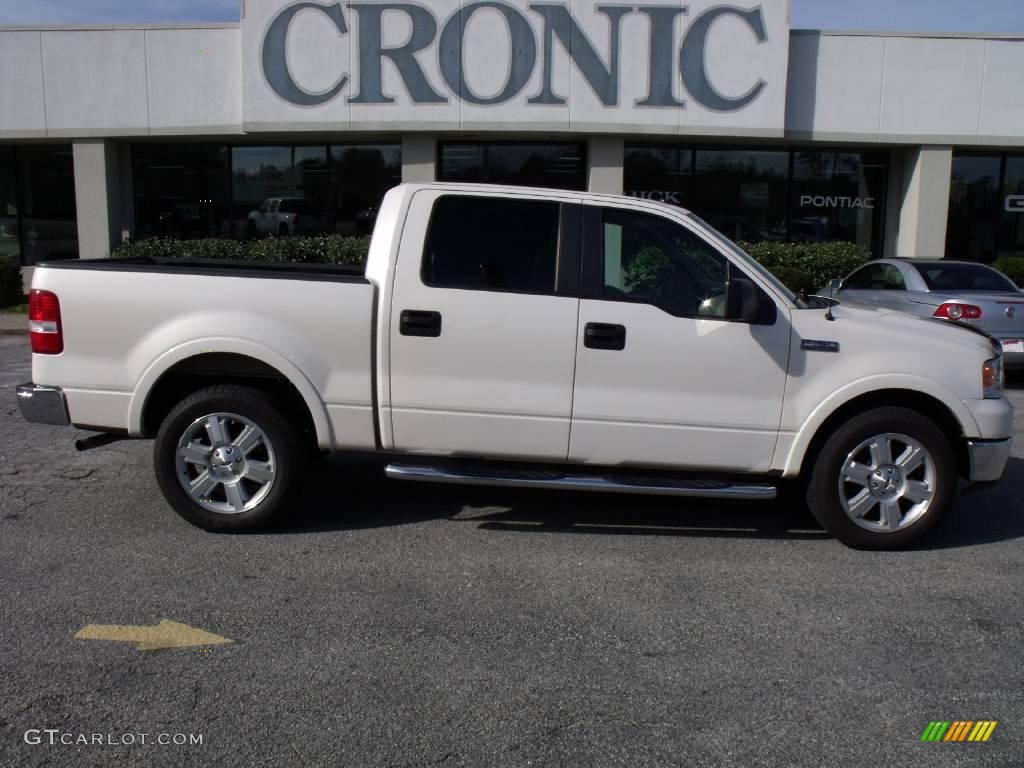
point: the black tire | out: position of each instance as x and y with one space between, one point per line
282 451
823 490
250 229
282 231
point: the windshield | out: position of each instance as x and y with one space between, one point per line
964 278
747 260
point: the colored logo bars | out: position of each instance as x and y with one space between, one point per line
958 730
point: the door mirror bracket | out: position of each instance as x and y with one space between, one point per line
743 301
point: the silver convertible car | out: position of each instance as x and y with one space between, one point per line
962 291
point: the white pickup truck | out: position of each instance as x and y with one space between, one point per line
522 337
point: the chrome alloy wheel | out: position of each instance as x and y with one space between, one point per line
225 463
887 482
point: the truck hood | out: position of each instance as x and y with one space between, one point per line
893 330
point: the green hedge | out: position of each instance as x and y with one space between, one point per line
808 266
12 292
801 266
328 249
1012 267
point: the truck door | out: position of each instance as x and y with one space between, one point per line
662 377
483 325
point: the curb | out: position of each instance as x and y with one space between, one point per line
13 324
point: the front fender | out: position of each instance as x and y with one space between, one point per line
790 453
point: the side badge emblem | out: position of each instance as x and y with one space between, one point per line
815 345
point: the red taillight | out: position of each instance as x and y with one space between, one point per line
953 310
44 323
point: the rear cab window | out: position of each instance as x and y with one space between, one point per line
492 244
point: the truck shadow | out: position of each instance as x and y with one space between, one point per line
352 493
986 515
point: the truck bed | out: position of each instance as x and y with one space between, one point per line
129 322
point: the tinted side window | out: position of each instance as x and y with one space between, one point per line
656 261
490 243
867 278
892 279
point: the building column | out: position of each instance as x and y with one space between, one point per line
126 203
419 158
920 186
607 157
97 196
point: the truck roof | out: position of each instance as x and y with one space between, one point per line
541 192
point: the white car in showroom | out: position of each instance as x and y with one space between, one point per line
284 216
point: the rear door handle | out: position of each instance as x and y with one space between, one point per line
417 322
604 336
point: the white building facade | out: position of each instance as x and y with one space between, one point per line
911 145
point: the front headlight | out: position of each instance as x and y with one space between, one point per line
992 378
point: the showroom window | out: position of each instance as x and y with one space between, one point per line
211 190
549 164
289 172
10 236
1013 207
37 203
742 193
659 172
838 195
361 174
182 190
986 207
971 232
768 194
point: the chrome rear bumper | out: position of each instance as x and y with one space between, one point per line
42 405
988 459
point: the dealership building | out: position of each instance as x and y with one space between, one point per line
909 144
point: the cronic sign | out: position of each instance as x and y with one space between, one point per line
685 51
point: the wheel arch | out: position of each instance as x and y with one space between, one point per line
189 368
830 415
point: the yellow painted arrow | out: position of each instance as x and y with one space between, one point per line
166 634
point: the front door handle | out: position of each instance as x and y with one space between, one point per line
417 322
604 336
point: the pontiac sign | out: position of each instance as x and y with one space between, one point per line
649 67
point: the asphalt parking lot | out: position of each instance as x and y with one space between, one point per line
402 625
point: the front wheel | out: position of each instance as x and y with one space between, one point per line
226 459
883 480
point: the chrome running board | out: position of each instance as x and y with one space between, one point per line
554 480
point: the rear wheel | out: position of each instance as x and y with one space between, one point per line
226 459
883 480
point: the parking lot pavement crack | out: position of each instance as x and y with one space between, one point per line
302 757
421 764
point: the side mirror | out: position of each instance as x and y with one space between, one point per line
742 301
835 284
